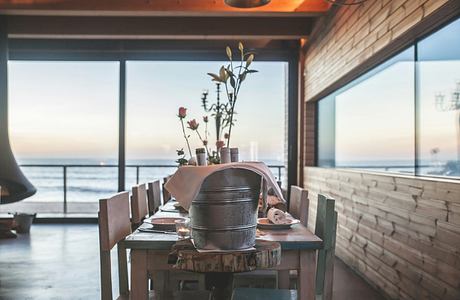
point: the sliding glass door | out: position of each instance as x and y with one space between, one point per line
63 120
155 91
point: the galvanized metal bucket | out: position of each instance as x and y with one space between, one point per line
224 213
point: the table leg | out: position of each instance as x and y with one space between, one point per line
283 279
307 275
139 275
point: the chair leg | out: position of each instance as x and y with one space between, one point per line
106 278
283 279
122 269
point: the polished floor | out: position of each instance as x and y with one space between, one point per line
61 261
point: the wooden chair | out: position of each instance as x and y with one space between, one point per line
299 203
325 228
114 226
139 208
153 196
166 194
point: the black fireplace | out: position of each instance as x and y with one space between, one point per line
14 185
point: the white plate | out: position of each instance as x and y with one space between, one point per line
264 223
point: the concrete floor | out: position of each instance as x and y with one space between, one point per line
61 261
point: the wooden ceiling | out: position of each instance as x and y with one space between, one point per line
160 7
159 19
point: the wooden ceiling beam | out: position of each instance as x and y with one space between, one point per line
158 7
159 27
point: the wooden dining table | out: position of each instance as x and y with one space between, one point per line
149 253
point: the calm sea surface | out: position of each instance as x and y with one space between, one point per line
88 184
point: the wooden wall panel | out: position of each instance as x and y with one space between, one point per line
396 231
349 37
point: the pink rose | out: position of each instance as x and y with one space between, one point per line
192 124
205 119
182 112
220 144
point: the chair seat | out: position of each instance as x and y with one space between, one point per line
176 295
263 294
256 279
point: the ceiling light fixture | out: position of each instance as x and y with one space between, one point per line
246 3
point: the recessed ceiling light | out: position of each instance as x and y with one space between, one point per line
246 3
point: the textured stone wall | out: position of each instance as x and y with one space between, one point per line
347 38
401 233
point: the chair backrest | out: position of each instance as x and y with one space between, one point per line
154 196
114 226
298 204
325 211
325 228
139 208
166 194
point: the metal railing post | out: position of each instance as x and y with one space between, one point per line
64 176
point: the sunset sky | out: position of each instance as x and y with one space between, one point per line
70 109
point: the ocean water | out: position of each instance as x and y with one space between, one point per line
89 184
86 185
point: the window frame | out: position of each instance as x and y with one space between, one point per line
380 60
178 50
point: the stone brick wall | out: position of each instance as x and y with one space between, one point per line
401 233
350 35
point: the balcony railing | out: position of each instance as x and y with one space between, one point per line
65 168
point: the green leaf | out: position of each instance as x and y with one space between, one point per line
230 72
232 82
251 71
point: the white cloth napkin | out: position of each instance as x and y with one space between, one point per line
276 216
186 183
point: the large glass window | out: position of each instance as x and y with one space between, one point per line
155 91
64 115
369 123
438 85
402 116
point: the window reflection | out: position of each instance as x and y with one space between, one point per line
438 102
374 122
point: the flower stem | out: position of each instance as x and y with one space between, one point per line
231 122
185 136
206 147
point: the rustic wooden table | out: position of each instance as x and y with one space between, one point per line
149 253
